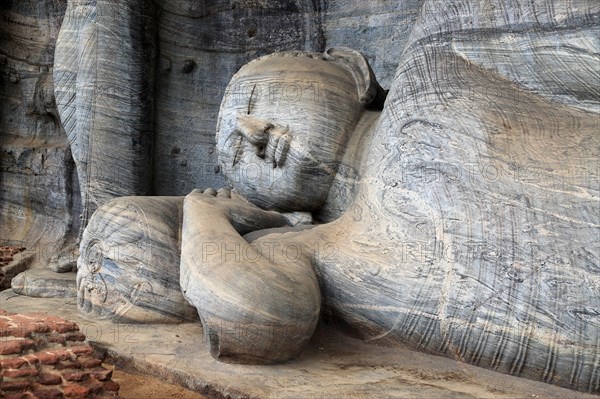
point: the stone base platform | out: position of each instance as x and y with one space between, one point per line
334 366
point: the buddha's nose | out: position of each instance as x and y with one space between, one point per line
268 141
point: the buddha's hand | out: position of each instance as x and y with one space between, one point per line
242 214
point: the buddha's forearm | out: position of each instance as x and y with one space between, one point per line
252 309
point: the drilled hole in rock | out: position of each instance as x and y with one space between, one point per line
188 66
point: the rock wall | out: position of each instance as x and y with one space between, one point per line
379 29
38 203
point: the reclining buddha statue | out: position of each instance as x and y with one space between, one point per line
455 217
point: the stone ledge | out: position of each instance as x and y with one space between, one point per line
13 263
333 366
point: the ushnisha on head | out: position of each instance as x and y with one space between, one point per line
285 121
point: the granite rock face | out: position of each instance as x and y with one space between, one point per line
39 200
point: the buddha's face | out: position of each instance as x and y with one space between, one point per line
282 129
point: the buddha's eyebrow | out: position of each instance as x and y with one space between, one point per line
250 100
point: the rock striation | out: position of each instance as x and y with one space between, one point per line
39 201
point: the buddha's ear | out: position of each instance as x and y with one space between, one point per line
370 93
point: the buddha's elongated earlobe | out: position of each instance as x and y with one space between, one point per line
370 93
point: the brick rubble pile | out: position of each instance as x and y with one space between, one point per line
46 357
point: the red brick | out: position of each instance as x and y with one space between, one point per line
67 364
10 347
47 357
25 325
48 394
76 376
31 358
55 337
4 324
111 386
18 332
21 318
61 326
12 363
5 332
14 346
21 326
89 362
53 356
49 379
14 386
19 373
39 327
94 386
76 391
75 336
102 375
82 349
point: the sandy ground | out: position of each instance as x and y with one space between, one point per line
135 386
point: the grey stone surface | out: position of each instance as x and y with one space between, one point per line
378 28
19 263
38 201
44 283
128 270
105 96
333 366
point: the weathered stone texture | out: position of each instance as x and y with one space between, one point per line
487 199
379 29
129 268
38 202
105 96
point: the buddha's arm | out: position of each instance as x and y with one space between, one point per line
253 308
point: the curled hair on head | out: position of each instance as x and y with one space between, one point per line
370 94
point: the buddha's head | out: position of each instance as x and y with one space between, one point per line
285 121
